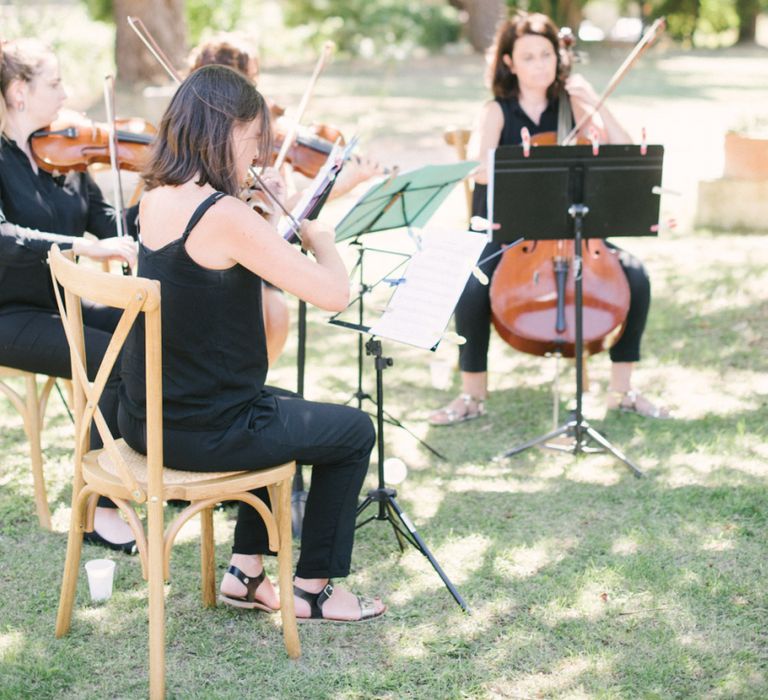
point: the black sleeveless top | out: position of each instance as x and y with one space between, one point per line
214 342
515 119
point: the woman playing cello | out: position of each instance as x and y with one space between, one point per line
526 76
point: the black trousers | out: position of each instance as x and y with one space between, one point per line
335 440
473 313
32 339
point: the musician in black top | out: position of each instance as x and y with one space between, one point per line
526 76
38 209
210 251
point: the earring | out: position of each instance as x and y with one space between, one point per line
20 107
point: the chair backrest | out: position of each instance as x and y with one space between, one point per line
459 138
135 296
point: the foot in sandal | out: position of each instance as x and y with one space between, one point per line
634 402
463 408
320 600
246 586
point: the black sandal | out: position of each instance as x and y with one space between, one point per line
317 600
248 601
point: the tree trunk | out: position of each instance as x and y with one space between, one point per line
569 14
482 19
165 21
747 11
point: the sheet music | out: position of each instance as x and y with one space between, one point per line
311 194
421 306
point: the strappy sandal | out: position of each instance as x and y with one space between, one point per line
317 600
448 415
248 601
626 401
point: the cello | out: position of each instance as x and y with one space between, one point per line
532 294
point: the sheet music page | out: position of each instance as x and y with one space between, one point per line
421 306
316 188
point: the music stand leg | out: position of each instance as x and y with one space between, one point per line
388 508
578 428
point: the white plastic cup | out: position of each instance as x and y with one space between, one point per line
101 573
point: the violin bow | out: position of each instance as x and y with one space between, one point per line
328 49
109 104
645 42
148 40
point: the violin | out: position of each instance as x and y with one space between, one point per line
533 292
310 148
74 144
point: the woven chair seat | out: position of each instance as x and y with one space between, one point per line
177 483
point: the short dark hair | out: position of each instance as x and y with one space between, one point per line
504 81
195 134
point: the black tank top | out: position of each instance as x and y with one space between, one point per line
514 120
214 343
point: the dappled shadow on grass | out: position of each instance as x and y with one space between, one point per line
652 587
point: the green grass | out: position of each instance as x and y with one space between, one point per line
583 581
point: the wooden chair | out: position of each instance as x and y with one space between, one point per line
31 406
128 477
459 138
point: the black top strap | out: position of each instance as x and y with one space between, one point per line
204 206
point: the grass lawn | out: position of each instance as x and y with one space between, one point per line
584 582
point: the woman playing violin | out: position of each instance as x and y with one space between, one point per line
233 51
38 209
211 251
526 74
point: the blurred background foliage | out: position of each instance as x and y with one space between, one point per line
292 31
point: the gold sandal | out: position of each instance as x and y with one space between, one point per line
626 401
448 415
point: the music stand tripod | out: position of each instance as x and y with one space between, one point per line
405 201
611 193
388 507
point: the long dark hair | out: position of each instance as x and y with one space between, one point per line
195 134
504 81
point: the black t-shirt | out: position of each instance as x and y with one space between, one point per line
68 205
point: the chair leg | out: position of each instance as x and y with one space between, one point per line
71 566
33 426
207 558
282 506
156 599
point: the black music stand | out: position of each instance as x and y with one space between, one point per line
589 195
407 200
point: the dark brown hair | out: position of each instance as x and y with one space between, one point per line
195 134
504 81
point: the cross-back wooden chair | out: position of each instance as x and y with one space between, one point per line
459 138
129 478
31 404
